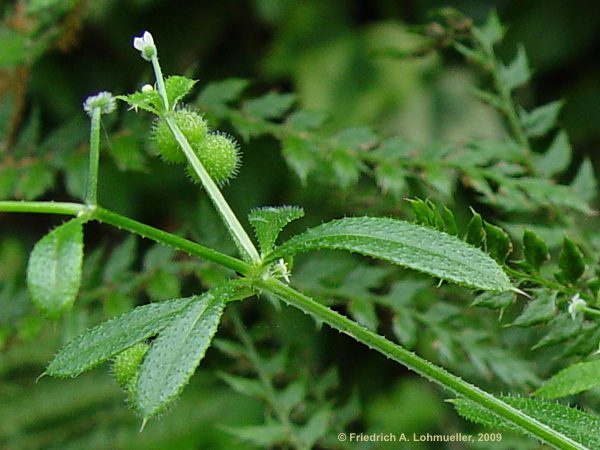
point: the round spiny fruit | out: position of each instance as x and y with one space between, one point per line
220 157
192 126
125 365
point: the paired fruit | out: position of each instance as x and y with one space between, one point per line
218 152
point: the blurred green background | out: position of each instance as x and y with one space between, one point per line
53 54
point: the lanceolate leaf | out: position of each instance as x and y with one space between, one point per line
104 341
406 244
54 270
572 380
570 422
268 223
177 351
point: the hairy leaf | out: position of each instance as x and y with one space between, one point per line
536 252
406 244
497 242
572 423
148 101
475 231
572 380
178 87
104 341
177 351
570 262
268 223
54 270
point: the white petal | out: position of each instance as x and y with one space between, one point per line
138 43
148 39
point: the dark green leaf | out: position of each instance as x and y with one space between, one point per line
570 261
299 154
540 309
406 244
120 260
494 300
315 427
306 120
517 73
561 328
355 138
270 106
497 242
249 387
539 121
215 96
536 252
148 101
34 181
163 285
54 270
104 341
8 178
557 157
179 348
575 424
268 222
572 380
449 222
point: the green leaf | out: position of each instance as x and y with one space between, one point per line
539 310
263 436
490 33
557 157
406 244
535 249
54 270
346 168
270 106
268 222
8 178
561 328
570 261
575 424
178 87
391 178
304 120
299 154
572 380
494 300
178 350
148 101
355 138
517 73
449 221
475 231
120 260
584 184
539 121
163 285
497 242
104 341
249 387
34 181
215 96
315 428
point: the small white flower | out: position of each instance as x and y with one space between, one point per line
145 44
576 305
147 88
102 100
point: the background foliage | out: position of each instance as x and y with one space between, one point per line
310 90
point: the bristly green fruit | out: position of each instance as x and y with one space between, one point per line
193 127
125 365
220 157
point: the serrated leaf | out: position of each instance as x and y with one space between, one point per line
497 242
539 121
270 106
574 379
268 222
178 87
490 33
406 244
107 339
475 231
575 424
570 261
215 96
517 73
148 101
557 157
178 350
540 309
54 269
449 221
584 184
535 249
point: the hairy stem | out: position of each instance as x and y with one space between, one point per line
92 184
125 223
160 81
419 365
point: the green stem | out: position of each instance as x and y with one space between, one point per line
419 365
590 310
160 81
92 185
66 208
240 237
119 221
